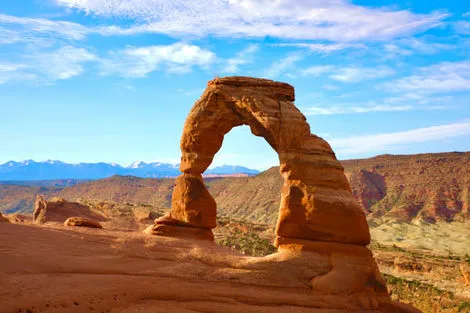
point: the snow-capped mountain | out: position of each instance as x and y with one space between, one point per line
54 169
231 169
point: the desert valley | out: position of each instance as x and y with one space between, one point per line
132 254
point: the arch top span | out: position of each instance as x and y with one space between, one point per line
316 199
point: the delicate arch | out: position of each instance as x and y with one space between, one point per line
317 203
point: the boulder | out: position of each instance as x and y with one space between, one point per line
40 209
82 222
465 271
4 219
58 210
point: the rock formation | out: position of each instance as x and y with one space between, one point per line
3 219
318 215
81 221
40 209
465 271
317 203
58 210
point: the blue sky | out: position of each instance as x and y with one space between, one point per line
113 80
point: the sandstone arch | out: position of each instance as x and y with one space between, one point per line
317 203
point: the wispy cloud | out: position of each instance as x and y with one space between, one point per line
140 61
243 57
23 29
439 78
337 20
348 109
323 48
357 74
63 63
392 141
282 66
462 27
352 74
402 103
47 67
317 70
10 72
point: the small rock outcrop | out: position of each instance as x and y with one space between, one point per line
58 210
4 219
40 209
81 221
465 271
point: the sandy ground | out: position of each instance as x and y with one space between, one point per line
59 269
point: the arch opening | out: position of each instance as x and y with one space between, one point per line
316 199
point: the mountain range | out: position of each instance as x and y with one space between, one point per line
404 188
30 170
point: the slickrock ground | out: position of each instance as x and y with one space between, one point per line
58 269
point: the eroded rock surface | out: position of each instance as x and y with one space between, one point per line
4 219
317 203
40 209
82 222
319 218
58 210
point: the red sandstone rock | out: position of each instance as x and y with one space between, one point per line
3 219
39 215
317 203
465 271
58 210
81 221
192 202
319 220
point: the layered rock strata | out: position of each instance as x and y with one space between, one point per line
318 215
317 203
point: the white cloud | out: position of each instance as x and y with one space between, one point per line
323 48
443 77
330 87
411 46
337 20
466 14
47 67
402 103
10 72
422 46
462 27
317 70
63 63
392 141
140 61
243 57
393 50
282 66
23 29
356 74
356 109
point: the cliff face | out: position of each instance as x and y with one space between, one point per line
429 187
